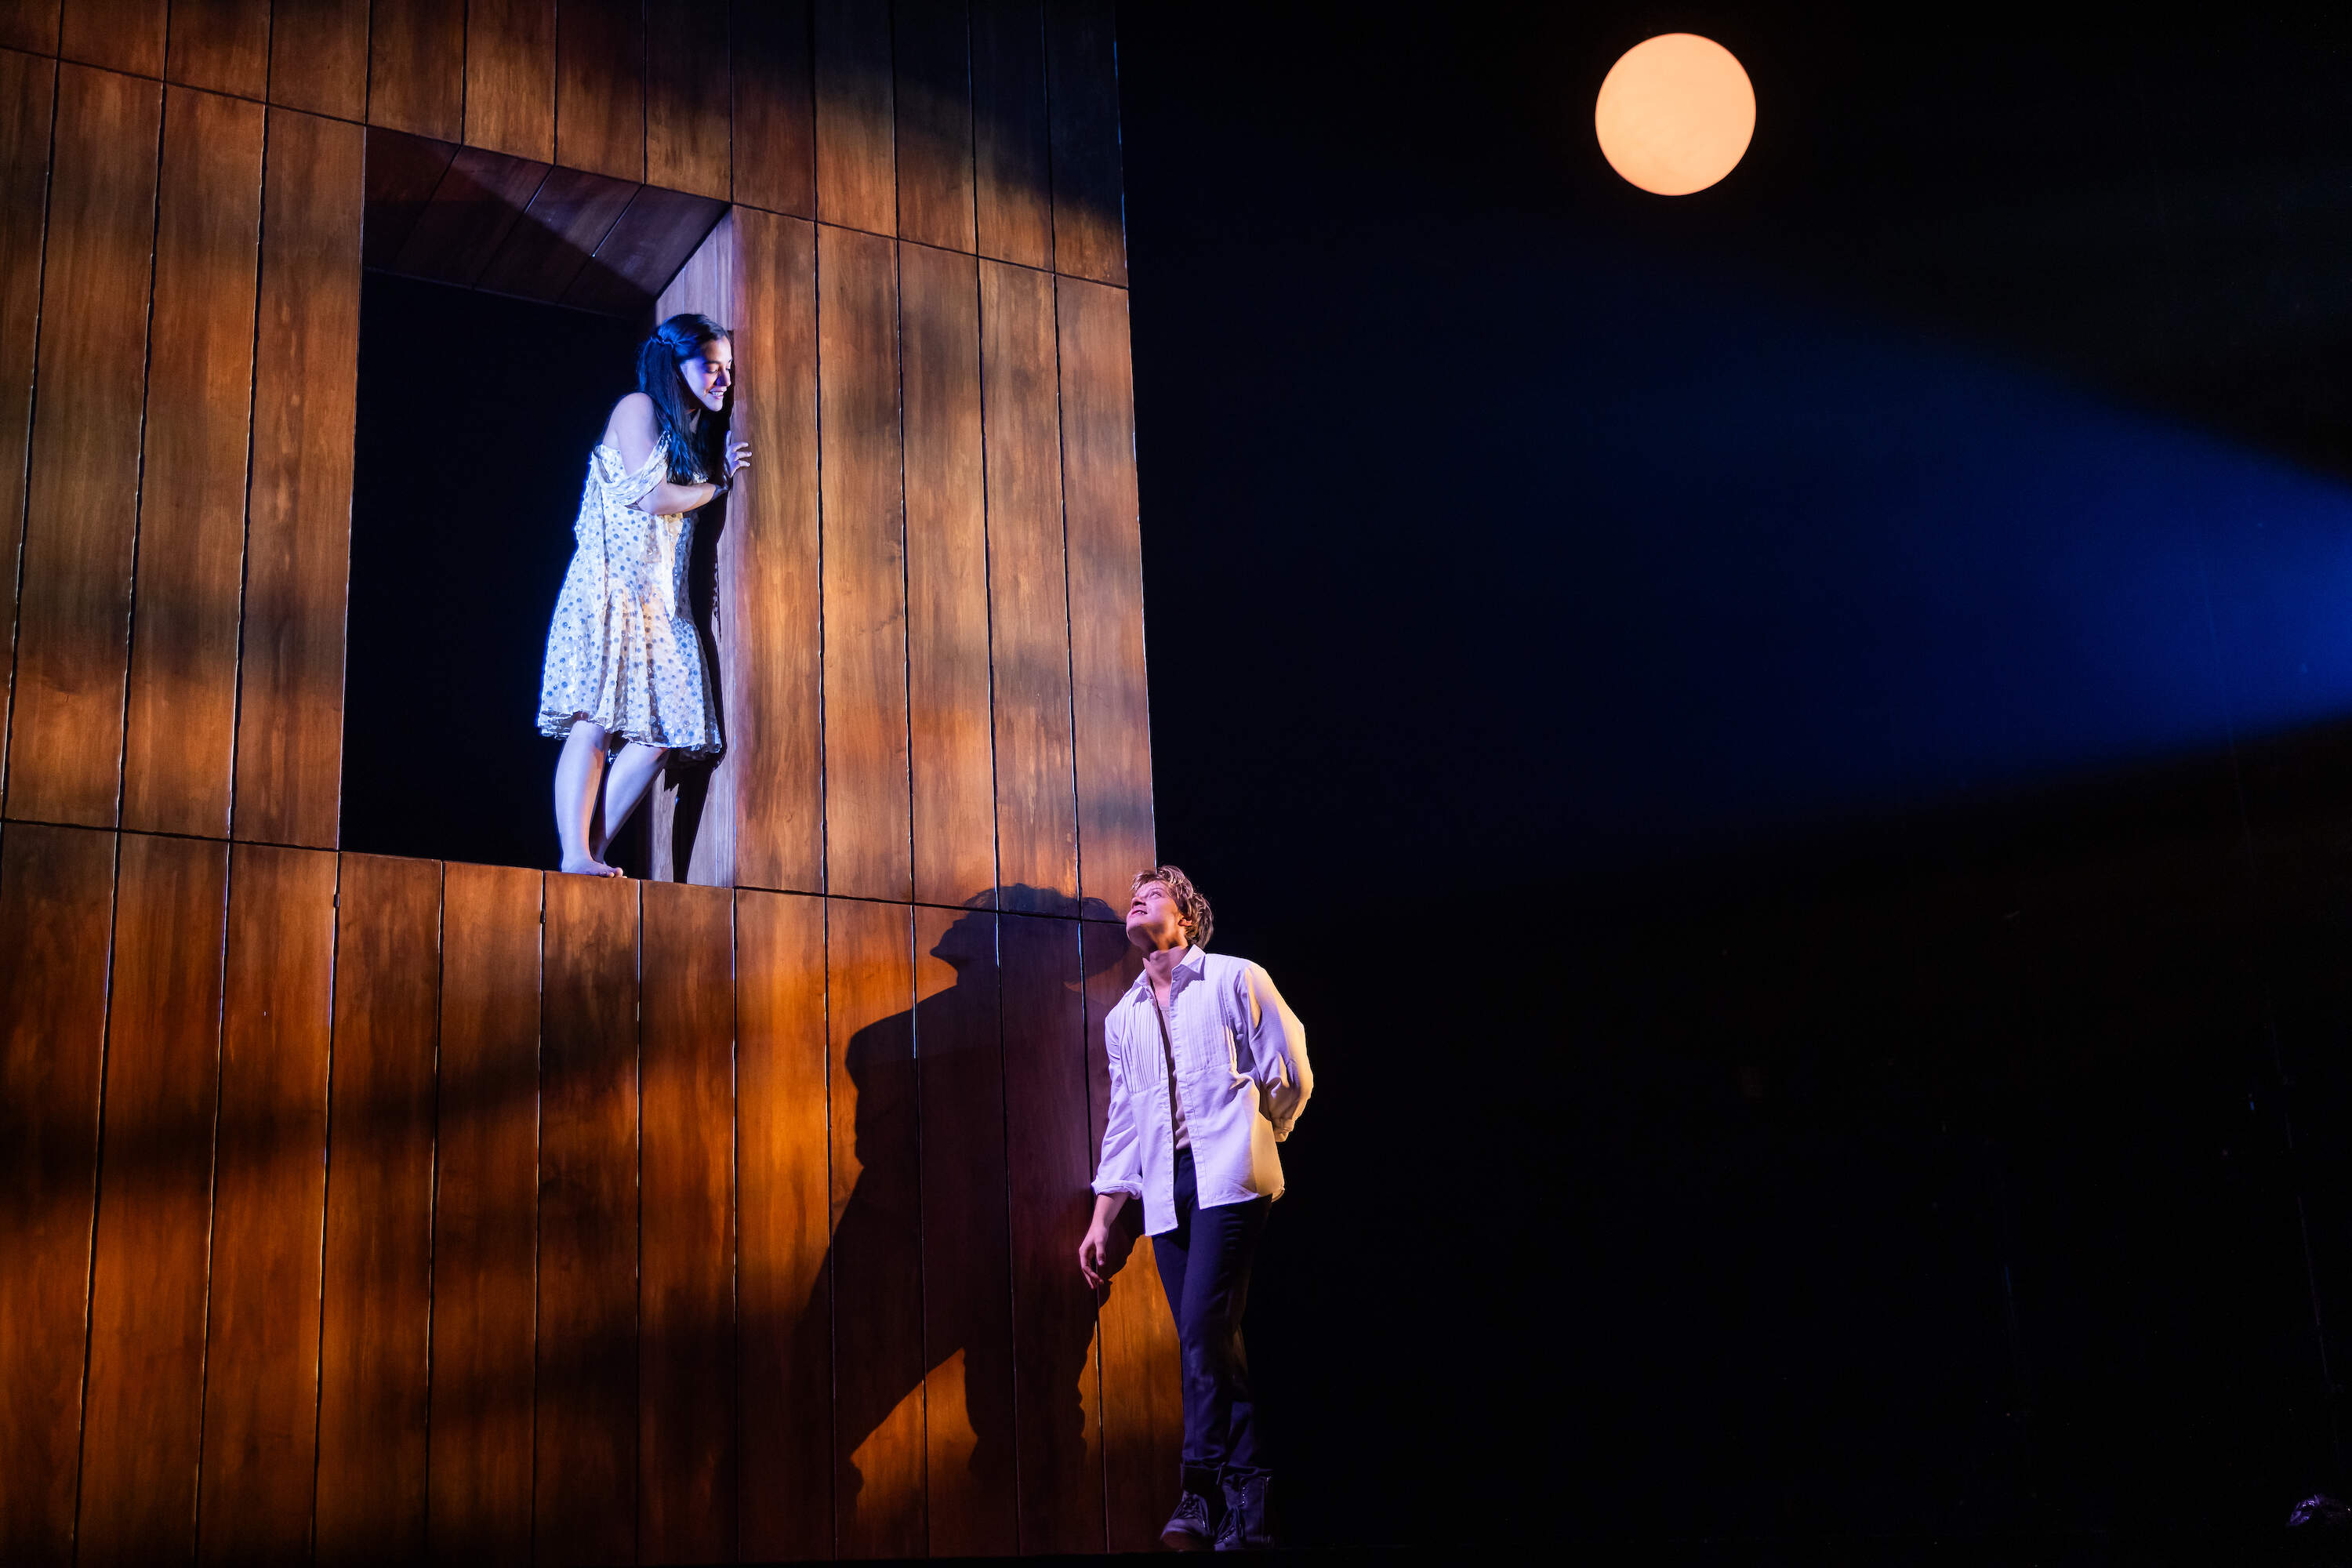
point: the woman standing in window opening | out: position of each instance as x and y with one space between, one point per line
623 665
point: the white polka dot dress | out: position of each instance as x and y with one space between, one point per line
621 651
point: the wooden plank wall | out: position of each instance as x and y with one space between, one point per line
385 1208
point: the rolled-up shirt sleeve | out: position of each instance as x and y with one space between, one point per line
1120 1168
1277 1054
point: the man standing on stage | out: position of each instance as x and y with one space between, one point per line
1208 1072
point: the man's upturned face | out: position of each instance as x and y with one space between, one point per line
1152 921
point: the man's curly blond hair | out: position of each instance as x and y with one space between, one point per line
1190 904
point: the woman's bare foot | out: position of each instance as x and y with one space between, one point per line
589 866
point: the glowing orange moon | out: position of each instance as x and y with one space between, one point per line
1675 113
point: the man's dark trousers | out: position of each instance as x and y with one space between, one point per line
1205 1266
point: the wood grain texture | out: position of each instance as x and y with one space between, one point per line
73 612
221 46
1012 158
485 1216
261 1355
689 92
56 893
290 732
144 1416
877 1256
318 57
1036 830
600 87
856 182
511 78
692 829
775 107
475 204
1142 1396
585 1466
686 1362
376 1307
119 34
967 1260
568 218
766 633
1048 1159
181 716
783 1171
1082 88
950 758
1110 701
414 85
29 86
403 173
931 67
865 567
29 25
653 240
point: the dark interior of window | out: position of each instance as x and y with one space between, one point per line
477 413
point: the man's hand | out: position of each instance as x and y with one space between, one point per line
1094 1255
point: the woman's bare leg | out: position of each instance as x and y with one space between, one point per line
626 783
578 772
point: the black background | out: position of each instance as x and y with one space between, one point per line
1790 744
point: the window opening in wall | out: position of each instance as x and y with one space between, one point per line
477 415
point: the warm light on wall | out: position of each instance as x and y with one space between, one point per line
1674 114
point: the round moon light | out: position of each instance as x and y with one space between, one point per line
1675 113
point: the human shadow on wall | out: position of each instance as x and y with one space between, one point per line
952 1267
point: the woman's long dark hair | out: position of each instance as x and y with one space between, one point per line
691 446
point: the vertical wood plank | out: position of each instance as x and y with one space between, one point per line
1142 1398
932 44
144 1412
181 716
692 827
966 1261
30 24
65 742
783 1175
511 78
1061 1495
690 89
686 1461
56 893
857 184
221 46
289 733
485 1216
877 1232
950 754
775 107
119 34
1082 87
865 567
585 1469
1036 828
261 1357
377 1300
318 57
768 613
1110 703
600 87
413 83
28 100
1012 183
